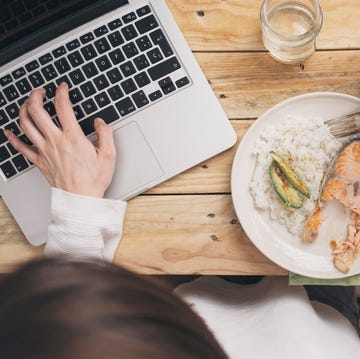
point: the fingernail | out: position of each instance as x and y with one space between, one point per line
7 133
99 120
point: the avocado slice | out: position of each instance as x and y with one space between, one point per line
290 174
288 194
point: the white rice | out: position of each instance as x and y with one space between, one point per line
306 144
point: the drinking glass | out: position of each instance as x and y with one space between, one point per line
289 28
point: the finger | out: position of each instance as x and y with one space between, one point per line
29 127
64 109
39 115
21 147
105 137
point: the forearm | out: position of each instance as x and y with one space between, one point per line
84 227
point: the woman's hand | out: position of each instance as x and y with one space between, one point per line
67 159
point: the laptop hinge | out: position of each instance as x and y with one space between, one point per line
30 42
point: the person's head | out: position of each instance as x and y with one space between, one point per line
64 309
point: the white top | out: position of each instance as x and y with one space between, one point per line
269 319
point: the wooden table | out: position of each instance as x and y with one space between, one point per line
187 225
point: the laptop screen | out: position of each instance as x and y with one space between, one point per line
20 19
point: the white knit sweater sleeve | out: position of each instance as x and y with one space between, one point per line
84 227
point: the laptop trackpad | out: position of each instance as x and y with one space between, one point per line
136 164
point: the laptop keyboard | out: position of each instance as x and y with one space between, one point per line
112 71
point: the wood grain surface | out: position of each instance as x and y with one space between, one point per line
187 225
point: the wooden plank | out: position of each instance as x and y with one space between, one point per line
196 234
248 84
234 25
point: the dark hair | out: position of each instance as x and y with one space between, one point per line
55 308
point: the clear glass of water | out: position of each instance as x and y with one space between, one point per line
290 28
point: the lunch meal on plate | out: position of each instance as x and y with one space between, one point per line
299 168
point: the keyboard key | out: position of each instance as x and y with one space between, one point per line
39 10
3 138
155 55
11 149
50 90
89 52
140 99
8 169
143 10
141 62
87 89
5 80
86 38
59 51
62 65
12 126
75 96
115 39
23 86
128 86
146 24
3 118
90 70
142 79
79 113
4 154
108 114
114 24
22 100
50 108
114 75
129 17
130 50
102 45
2 100
125 106
36 79
101 82
18 73
72 45
31 66
75 59
52 4
44 59
144 43
101 31
11 93
167 85
127 69
25 17
164 68
26 140
89 106
20 163
13 110
77 77
116 57
102 99
11 24
159 39
49 72
182 82
103 63
61 79
115 92
129 32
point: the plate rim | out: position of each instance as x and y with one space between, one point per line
248 133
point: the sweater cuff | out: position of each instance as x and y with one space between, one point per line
84 226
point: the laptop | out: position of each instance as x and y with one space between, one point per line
124 61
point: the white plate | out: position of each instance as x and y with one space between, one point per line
272 239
